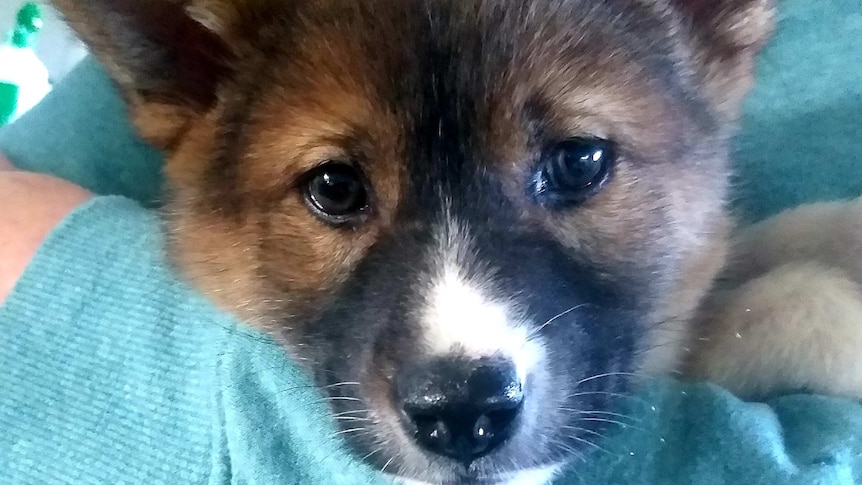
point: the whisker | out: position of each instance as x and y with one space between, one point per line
260 339
590 443
343 413
351 430
568 448
585 430
683 343
297 388
340 398
383 470
612 421
603 413
579 456
352 418
264 370
555 318
610 374
340 384
376 451
678 318
612 394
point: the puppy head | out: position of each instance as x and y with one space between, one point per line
473 221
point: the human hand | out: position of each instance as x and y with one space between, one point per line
31 205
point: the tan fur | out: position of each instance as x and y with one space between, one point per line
790 316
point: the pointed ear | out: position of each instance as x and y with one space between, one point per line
728 34
165 55
731 26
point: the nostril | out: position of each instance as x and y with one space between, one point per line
433 433
500 420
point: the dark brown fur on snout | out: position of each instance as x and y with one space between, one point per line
246 97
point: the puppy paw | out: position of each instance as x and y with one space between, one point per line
789 315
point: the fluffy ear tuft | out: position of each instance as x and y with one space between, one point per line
731 26
161 53
728 35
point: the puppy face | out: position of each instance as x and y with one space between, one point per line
474 222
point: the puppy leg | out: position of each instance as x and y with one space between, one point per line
790 316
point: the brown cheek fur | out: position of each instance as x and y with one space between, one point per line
248 264
275 259
665 208
218 254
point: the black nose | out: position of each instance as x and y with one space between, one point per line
461 408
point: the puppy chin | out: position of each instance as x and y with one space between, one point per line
534 476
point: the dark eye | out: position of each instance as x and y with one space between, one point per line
336 192
572 171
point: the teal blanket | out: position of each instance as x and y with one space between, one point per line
113 371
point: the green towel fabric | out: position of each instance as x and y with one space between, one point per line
802 132
113 371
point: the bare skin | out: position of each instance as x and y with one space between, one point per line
31 205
